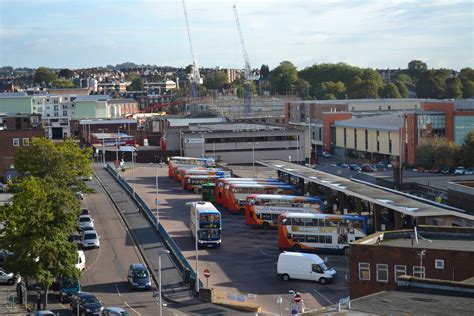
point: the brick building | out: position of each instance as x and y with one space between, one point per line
377 261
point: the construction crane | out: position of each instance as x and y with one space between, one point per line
196 77
247 71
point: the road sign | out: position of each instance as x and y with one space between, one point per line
207 273
294 309
297 298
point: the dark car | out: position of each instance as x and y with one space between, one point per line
344 165
354 167
87 303
85 211
114 311
368 168
447 170
138 276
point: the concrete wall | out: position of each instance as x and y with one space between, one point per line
16 105
384 137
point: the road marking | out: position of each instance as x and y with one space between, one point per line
262 252
323 296
118 292
126 304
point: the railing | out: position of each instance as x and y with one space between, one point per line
189 275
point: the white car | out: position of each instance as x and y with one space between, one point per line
459 170
80 195
81 260
85 221
90 239
8 278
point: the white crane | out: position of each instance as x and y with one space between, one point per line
196 76
247 70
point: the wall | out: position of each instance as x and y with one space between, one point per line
328 120
86 109
16 105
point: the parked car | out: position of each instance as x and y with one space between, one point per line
344 165
44 313
85 211
114 311
469 171
138 276
90 239
81 260
435 170
447 170
86 303
8 277
68 288
459 170
79 195
85 221
354 167
304 266
368 168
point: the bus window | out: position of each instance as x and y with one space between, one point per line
331 222
308 222
311 238
328 239
299 238
267 217
297 222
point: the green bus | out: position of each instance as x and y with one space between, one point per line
209 192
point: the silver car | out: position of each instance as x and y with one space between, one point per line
85 221
90 239
8 278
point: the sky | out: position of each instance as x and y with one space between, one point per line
370 33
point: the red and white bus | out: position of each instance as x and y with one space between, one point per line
319 232
203 172
234 201
221 184
188 161
194 182
262 210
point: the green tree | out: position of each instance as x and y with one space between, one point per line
62 83
432 83
416 68
437 152
136 85
63 162
216 80
402 89
390 91
453 88
302 88
466 75
66 73
283 78
404 78
264 72
44 76
330 90
468 150
37 225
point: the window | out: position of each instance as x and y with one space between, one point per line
399 270
382 272
419 271
439 264
26 142
16 142
64 113
364 271
316 268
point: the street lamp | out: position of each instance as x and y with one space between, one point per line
160 253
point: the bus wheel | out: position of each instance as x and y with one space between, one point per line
297 248
265 225
285 277
323 281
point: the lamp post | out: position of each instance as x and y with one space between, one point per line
160 253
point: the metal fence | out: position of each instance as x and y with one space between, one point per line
189 275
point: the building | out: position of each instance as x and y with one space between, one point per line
377 261
243 143
122 107
16 131
461 195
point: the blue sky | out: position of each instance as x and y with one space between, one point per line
378 34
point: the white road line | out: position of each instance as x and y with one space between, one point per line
323 296
118 292
126 304
262 252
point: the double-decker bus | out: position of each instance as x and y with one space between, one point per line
263 209
319 232
222 184
194 182
205 224
208 191
238 193
176 161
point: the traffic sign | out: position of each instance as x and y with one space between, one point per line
207 273
297 298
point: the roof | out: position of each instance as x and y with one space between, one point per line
390 122
103 121
391 199
234 127
448 244
185 122
14 95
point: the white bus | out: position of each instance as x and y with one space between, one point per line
206 219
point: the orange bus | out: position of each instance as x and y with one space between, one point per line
192 161
262 210
221 183
238 193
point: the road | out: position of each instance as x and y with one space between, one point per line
246 262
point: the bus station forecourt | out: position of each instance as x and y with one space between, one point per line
245 263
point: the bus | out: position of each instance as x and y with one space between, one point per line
238 193
217 173
205 223
183 161
262 210
194 182
183 171
221 183
208 191
319 232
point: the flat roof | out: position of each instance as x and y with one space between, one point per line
390 122
234 127
391 199
433 243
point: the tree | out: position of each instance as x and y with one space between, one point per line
61 83
37 225
302 88
216 80
416 68
44 76
63 162
136 85
283 78
404 78
66 73
330 90
453 88
402 89
390 91
466 75
432 83
468 150
437 152
264 72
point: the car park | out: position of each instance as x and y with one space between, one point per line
138 276
368 168
8 277
86 304
90 239
354 167
85 221
114 311
459 170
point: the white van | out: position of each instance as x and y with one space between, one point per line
304 266
81 260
